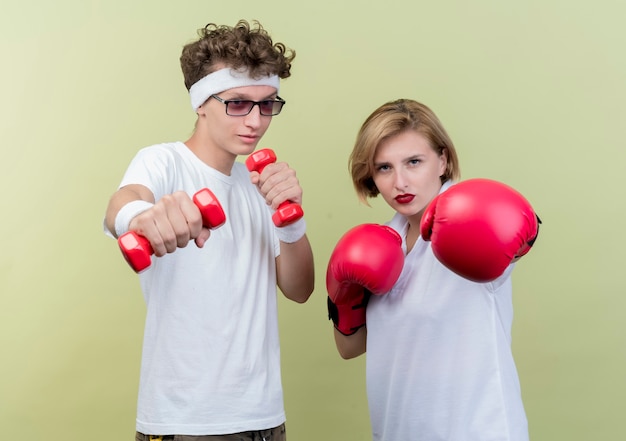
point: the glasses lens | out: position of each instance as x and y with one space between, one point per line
270 107
243 107
238 107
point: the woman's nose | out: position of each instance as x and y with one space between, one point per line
400 180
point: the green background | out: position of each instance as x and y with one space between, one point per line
532 92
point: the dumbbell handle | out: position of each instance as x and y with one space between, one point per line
137 250
287 212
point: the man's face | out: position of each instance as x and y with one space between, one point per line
235 135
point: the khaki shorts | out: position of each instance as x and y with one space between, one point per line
275 434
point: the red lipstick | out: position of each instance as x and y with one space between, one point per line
404 198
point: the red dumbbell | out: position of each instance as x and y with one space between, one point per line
137 250
288 212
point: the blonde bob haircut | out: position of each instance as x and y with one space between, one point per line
389 120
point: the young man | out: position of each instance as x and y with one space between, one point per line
211 358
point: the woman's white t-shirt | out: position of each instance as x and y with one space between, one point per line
439 361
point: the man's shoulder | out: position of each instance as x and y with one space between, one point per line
163 152
162 147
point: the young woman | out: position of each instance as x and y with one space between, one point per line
439 361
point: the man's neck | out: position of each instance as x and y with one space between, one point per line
211 155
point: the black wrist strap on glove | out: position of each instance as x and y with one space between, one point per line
348 318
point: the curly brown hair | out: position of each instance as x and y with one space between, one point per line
241 46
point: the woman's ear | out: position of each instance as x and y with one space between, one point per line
443 165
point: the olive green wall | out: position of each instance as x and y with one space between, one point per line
532 92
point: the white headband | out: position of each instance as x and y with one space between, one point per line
225 79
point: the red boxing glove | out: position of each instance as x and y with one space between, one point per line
368 259
477 227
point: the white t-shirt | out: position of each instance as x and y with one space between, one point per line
211 358
439 361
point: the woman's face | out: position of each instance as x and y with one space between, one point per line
407 172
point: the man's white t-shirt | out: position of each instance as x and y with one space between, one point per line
211 357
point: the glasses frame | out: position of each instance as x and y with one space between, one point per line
254 103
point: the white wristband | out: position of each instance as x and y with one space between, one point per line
127 213
293 232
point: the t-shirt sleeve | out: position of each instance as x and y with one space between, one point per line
151 167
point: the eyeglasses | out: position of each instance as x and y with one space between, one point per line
244 107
